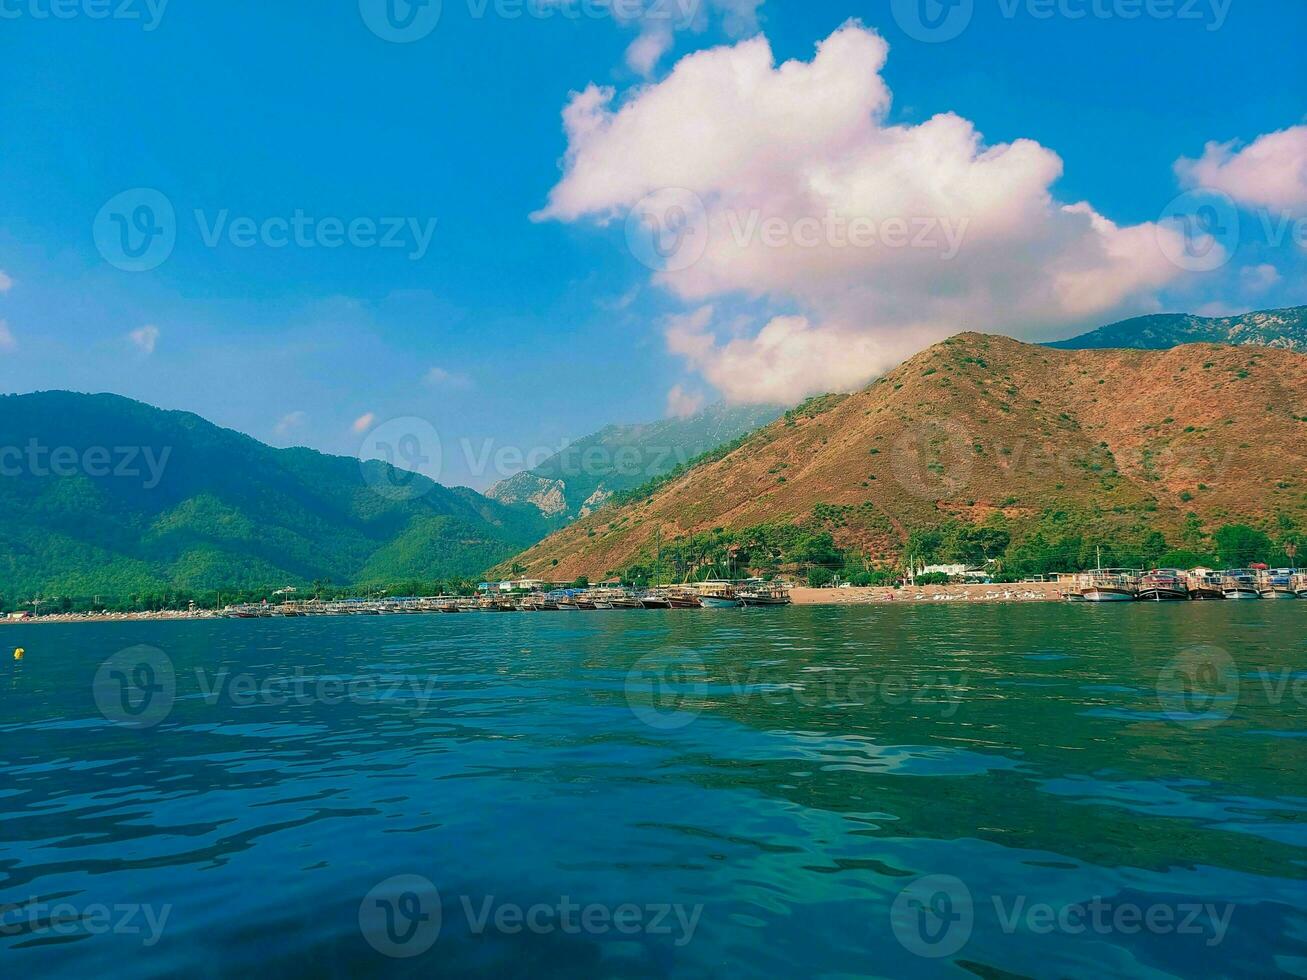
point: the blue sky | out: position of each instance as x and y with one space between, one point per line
506 331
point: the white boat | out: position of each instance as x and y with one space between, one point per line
1300 585
1110 585
718 595
1277 584
1240 583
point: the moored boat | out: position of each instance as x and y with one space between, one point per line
651 600
1300 585
1163 585
1204 585
1240 583
1110 585
1277 584
718 595
765 594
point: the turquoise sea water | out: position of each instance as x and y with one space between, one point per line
932 790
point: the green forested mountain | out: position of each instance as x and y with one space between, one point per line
1269 328
591 471
103 495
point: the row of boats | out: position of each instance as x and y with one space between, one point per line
707 595
1174 585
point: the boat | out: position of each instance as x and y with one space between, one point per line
718 595
1073 596
650 600
1163 585
765 594
626 601
1110 585
1300 584
1277 584
1204 585
683 599
1240 583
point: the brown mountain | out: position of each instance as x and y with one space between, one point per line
1114 442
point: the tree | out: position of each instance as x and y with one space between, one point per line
1239 545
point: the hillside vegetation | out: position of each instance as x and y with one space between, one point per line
1048 452
103 495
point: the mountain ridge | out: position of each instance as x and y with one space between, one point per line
119 496
983 429
1285 328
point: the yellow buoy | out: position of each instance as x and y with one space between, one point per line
18 654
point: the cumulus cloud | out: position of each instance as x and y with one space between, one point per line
6 283
7 341
871 238
145 338
290 422
1271 172
1259 278
681 403
659 20
438 377
364 422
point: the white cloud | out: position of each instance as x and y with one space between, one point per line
956 234
7 341
681 404
289 423
6 282
1259 278
659 20
438 377
145 338
1271 172
364 422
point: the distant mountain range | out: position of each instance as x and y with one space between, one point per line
103 495
1029 445
1286 329
591 471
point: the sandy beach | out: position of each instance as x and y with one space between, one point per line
1025 592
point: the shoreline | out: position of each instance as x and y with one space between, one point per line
802 596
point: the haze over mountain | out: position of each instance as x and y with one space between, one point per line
1096 445
101 494
591 471
1285 328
